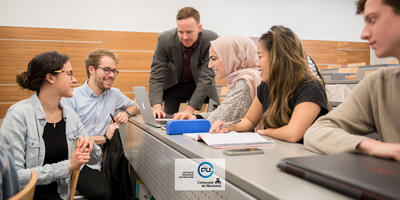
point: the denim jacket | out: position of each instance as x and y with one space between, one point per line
9 183
24 124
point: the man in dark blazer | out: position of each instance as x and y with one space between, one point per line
179 71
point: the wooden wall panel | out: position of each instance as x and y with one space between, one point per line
326 53
15 56
353 45
3 108
13 93
24 33
321 51
126 80
352 56
135 60
129 40
20 44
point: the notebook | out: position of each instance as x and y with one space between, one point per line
145 109
231 139
356 175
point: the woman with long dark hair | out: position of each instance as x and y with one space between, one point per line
290 98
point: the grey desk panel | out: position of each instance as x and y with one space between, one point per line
154 162
256 175
325 71
351 83
336 76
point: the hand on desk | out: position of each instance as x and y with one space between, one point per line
157 111
183 115
380 149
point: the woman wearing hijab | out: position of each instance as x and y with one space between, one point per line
234 58
290 98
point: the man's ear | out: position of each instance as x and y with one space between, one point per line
50 78
200 27
91 69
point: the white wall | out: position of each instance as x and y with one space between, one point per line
310 19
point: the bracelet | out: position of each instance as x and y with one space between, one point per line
127 112
107 139
199 117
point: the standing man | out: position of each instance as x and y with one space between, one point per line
373 106
179 71
93 102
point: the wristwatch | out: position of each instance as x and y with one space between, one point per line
107 139
127 112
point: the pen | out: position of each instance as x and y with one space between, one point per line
226 125
112 118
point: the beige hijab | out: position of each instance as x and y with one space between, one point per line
238 55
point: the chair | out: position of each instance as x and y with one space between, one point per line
204 108
392 61
368 72
223 93
356 64
29 191
74 182
349 70
334 66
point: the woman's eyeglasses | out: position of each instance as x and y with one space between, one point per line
68 72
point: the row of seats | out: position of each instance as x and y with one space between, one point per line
353 71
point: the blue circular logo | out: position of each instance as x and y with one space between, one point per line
205 169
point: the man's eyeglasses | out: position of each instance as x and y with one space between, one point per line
69 73
108 70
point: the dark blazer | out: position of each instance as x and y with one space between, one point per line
166 67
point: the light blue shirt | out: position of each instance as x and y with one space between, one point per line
94 111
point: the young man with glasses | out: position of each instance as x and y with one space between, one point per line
93 102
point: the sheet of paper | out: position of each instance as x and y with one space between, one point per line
231 139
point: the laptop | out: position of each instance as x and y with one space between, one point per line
356 175
145 109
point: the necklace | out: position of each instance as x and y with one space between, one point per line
50 118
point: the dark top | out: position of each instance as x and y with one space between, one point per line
56 150
187 76
312 91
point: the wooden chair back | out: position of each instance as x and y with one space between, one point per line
204 108
356 64
223 93
349 70
29 191
368 73
335 66
392 61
